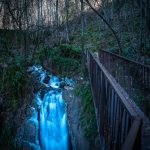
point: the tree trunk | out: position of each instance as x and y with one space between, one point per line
82 39
67 17
57 40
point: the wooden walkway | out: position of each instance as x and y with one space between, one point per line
119 121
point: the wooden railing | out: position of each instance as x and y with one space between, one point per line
119 124
119 65
134 77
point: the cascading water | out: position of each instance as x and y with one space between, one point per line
51 115
53 127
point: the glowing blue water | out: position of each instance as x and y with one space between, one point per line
53 132
53 127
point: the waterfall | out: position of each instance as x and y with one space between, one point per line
52 132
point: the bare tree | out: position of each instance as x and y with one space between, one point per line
105 21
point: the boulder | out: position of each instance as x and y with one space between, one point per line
1 101
29 132
45 90
46 79
62 84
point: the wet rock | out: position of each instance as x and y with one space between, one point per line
29 132
68 81
62 84
68 88
36 75
46 79
57 84
26 146
29 112
29 146
45 90
79 142
46 65
19 136
21 115
1 101
30 70
38 86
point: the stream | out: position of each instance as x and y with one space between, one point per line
49 115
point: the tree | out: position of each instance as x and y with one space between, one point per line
109 26
67 17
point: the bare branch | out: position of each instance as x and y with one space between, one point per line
105 21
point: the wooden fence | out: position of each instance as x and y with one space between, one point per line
134 77
119 124
117 64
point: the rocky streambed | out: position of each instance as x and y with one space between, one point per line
45 127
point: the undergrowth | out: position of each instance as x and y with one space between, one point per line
87 115
14 79
7 139
65 59
14 84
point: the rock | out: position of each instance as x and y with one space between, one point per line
46 79
29 112
29 146
26 137
62 84
46 65
29 132
3 65
68 88
38 86
36 75
1 100
68 81
45 90
29 70
76 132
26 146
19 136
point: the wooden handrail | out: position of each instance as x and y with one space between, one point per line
134 77
113 111
126 59
117 88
